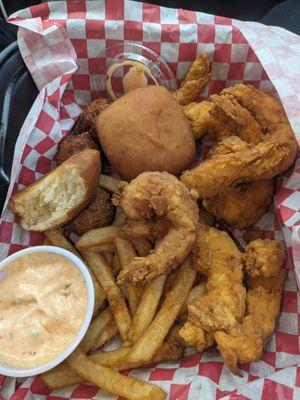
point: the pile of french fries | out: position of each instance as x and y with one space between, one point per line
146 318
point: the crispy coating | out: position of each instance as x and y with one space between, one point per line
223 116
263 258
73 144
192 334
241 205
156 228
270 157
100 212
245 343
194 81
223 304
162 194
253 233
90 113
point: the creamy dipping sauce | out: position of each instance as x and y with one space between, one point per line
43 303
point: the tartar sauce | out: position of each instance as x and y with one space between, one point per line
43 302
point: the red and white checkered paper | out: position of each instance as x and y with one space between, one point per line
61 43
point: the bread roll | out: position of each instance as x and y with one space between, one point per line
146 130
57 197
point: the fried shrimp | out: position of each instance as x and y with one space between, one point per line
194 81
222 307
161 194
273 155
222 116
245 342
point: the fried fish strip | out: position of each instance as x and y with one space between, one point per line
245 342
270 157
222 307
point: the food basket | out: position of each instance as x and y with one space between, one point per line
62 44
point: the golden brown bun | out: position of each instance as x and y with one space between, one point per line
146 130
60 195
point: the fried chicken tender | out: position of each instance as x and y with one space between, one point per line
241 205
221 262
162 194
270 157
194 81
100 212
263 258
246 341
222 116
73 144
222 307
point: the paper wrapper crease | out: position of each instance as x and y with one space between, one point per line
61 43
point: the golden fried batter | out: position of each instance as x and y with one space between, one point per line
73 144
194 81
263 258
222 307
162 194
220 261
223 116
241 205
100 212
244 343
270 157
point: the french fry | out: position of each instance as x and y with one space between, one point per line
101 248
96 328
116 266
61 376
145 348
126 254
57 238
112 381
112 291
119 217
147 308
109 183
98 236
108 255
107 334
143 246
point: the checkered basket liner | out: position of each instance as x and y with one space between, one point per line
61 44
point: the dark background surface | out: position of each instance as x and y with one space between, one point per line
18 91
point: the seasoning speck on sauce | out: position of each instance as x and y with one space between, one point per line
43 302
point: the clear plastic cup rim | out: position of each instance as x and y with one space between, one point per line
26 372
